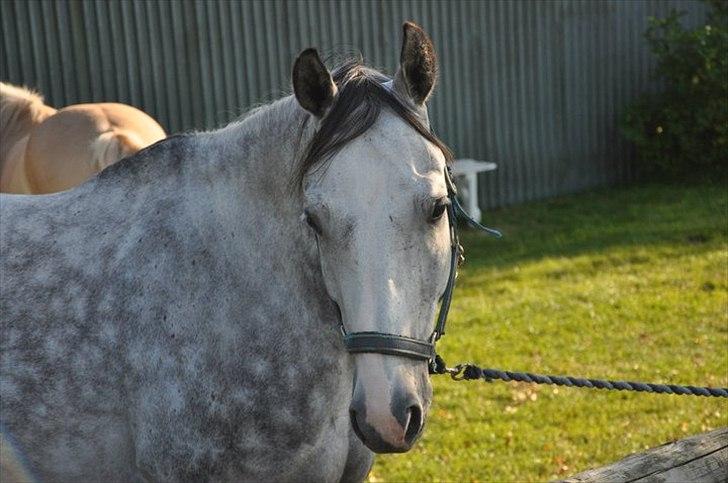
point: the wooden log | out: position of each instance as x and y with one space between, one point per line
702 458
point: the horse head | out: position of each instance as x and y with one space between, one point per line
376 201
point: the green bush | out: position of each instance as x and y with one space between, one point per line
682 126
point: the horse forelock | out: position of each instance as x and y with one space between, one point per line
362 94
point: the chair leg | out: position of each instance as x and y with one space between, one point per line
472 201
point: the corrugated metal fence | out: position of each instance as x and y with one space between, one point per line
535 86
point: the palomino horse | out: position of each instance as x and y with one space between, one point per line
180 316
44 150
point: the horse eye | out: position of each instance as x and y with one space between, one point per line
439 209
311 221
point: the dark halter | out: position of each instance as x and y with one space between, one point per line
402 346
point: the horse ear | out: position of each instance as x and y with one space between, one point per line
417 71
313 85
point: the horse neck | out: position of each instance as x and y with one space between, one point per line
246 191
250 164
256 157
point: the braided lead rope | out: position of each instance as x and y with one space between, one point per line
470 372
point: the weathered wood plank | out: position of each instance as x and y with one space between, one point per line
713 467
701 458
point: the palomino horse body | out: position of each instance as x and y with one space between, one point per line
178 317
45 151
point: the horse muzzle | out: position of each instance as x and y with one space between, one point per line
395 436
387 410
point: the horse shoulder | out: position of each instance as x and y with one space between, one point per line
13 176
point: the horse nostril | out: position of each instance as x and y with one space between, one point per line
415 424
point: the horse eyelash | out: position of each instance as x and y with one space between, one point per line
440 202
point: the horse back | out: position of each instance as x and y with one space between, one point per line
79 141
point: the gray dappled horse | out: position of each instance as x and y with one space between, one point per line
178 317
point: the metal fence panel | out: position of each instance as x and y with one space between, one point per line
536 86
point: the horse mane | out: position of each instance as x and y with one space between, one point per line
361 97
20 108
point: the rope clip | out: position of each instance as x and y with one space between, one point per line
456 373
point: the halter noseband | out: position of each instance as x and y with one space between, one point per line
411 348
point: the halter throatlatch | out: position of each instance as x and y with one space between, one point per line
423 350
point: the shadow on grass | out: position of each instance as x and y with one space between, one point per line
695 215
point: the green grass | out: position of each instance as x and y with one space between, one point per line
628 283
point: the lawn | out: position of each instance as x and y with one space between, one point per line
626 283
